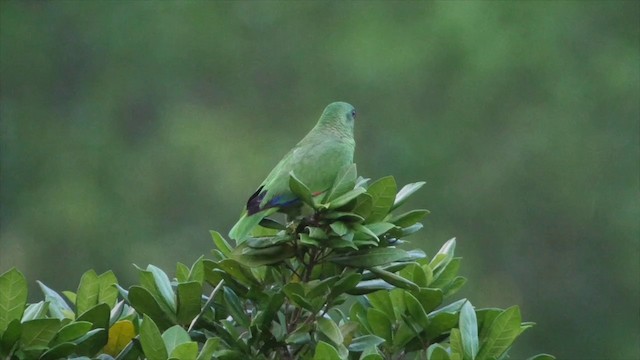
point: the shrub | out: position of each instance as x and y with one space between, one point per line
330 282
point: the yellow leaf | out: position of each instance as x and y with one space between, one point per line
120 334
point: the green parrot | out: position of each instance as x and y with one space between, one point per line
315 161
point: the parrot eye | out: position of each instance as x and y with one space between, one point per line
353 114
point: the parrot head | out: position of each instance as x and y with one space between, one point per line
338 115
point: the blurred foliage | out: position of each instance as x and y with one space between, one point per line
137 126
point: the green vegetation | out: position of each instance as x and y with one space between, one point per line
329 284
129 127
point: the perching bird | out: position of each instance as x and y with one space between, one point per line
315 161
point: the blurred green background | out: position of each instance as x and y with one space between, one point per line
129 129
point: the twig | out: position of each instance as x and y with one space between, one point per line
206 305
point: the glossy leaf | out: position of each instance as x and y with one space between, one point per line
503 331
409 218
39 332
325 351
346 198
437 352
383 192
35 311
174 336
107 293
444 254
59 351
364 205
221 243
394 279
142 300
234 306
189 301
88 292
345 181
301 190
185 351
405 193
364 342
370 257
71 332
469 331
416 310
120 335
58 307
151 340
380 324
329 328
13 297
163 285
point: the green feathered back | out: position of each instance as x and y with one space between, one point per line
315 161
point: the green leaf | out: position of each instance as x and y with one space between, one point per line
394 279
234 307
272 224
57 306
405 192
370 257
330 330
469 331
503 331
344 216
71 332
60 351
345 283
258 257
10 336
97 315
364 205
108 292
174 336
380 324
221 243
380 228
13 297
383 192
409 218
145 303
196 273
325 351
189 301
444 278
151 340
428 298
369 286
182 272
364 342
164 286
416 310
210 346
364 232
239 272
88 292
39 332
35 311
455 341
440 324
444 254
339 228
344 181
437 352
381 300
345 199
301 190
185 351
